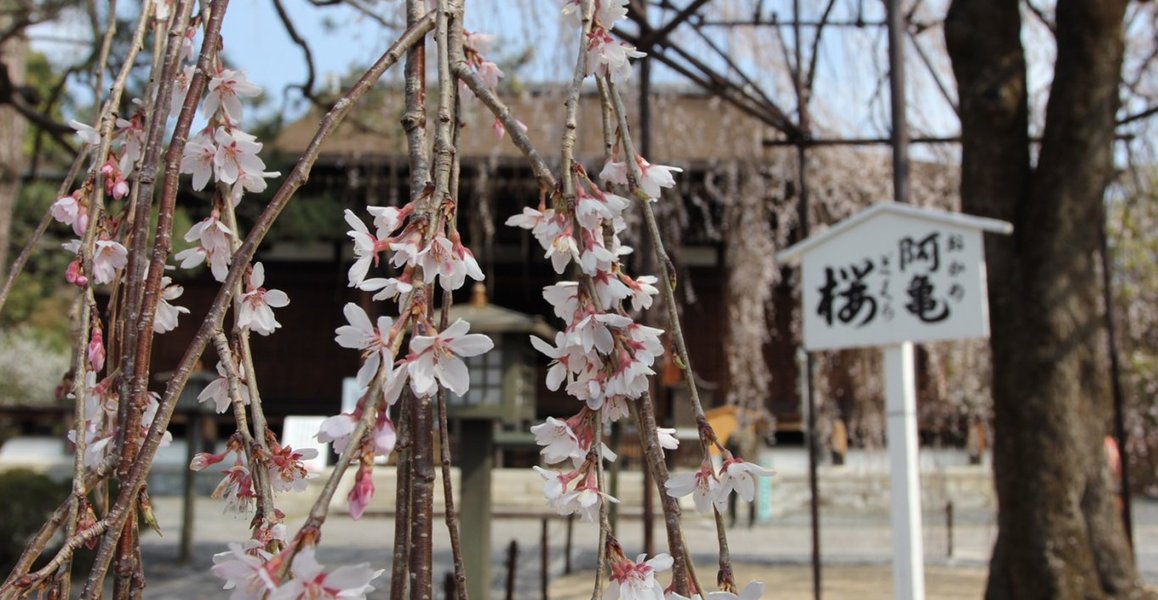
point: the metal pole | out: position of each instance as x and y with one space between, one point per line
904 485
900 133
807 365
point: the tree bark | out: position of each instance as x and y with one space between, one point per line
12 129
1060 534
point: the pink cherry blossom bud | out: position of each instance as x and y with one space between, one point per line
96 350
74 275
204 459
120 189
363 491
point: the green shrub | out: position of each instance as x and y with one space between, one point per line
26 501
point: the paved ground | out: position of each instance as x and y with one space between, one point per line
856 551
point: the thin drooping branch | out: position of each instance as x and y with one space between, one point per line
501 112
33 240
667 285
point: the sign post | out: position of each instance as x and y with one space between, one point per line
891 275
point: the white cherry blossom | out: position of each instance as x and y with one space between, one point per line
739 475
362 334
244 572
701 484
311 582
86 133
218 390
256 306
198 159
635 580
236 155
108 257
166 316
608 56
225 90
440 358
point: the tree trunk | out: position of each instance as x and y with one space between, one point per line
12 128
1060 534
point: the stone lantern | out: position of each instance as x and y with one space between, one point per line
502 391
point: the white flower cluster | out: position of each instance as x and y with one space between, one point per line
225 154
425 253
252 574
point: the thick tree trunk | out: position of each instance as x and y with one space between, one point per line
1060 534
12 128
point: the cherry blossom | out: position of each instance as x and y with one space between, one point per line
608 56
218 261
635 580
560 354
362 334
287 471
211 233
198 159
440 357
558 440
86 133
366 249
311 582
132 131
236 155
108 258
562 250
69 210
642 289
165 319
739 475
655 177
256 306
225 90
337 430
388 289
701 484
236 488
244 572
450 262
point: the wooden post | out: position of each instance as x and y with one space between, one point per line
512 568
192 446
544 559
476 463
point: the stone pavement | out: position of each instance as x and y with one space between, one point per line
856 552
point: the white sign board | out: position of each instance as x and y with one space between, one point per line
891 275
894 273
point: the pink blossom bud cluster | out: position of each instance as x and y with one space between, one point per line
285 466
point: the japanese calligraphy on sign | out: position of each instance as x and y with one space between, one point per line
895 273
